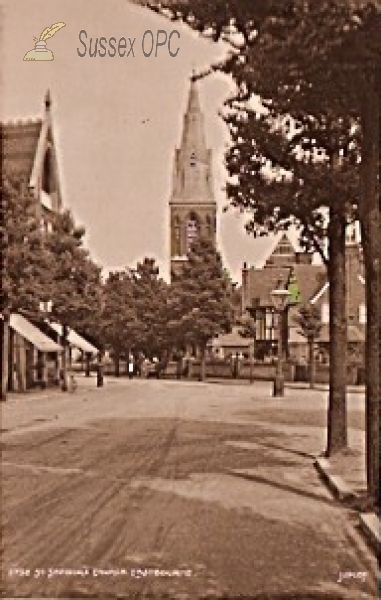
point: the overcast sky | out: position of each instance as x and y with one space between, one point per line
117 122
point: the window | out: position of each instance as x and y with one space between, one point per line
177 237
325 313
192 230
209 226
362 314
192 161
47 174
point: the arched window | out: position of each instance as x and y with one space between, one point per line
193 228
47 172
177 236
209 226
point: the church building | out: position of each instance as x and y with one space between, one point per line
192 204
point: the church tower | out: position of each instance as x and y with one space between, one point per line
192 204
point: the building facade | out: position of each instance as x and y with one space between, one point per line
286 267
192 205
29 155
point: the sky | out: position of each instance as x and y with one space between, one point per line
117 122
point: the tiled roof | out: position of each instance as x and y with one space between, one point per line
19 141
310 279
232 339
261 282
274 241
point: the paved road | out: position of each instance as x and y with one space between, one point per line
175 490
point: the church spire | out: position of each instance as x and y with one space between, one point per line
193 139
193 161
192 205
48 100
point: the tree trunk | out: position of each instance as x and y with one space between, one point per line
4 356
337 409
117 363
100 370
87 364
371 241
11 360
203 364
311 360
20 365
65 334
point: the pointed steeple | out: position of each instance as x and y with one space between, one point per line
193 138
192 204
48 100
193 163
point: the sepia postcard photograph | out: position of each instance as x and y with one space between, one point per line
190 299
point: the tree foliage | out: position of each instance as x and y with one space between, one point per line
25 260
200 301
309 321
150 298
75 285
119 322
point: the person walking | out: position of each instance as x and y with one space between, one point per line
131 365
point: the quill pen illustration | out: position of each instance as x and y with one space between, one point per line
41 52
50 31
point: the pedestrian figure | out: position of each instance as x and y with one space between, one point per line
130 366
234 364
180 366
100 370
72 384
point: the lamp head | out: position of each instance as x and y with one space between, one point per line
279 298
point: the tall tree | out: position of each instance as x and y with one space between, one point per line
201 303
309 59
75 285
25 264
121 329
150 301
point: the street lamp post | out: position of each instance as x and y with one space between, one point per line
279 299
248 320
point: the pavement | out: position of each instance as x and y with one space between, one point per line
208 485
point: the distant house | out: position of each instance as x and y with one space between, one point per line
287 267
228 344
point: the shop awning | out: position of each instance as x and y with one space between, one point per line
31 333
75 340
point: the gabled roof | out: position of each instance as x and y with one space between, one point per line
25 144
19 141
261 282
310 279
274 242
